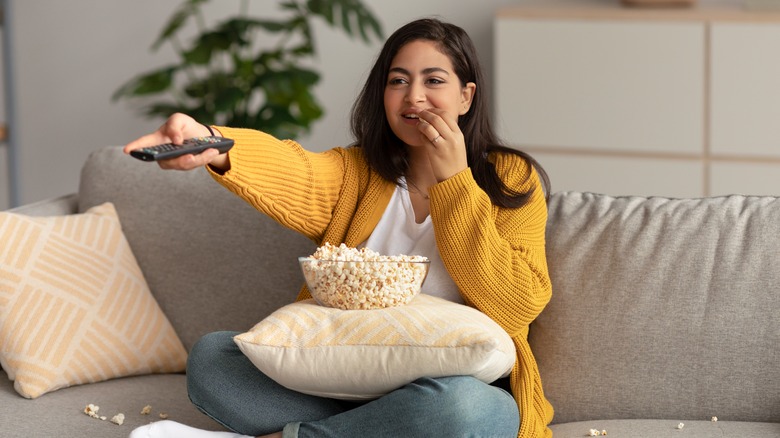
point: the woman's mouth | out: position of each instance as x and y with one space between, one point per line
411 118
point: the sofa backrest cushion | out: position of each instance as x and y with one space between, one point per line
662 308
212 261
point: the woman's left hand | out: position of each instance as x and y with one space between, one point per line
444 142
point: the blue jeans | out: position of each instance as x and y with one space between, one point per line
225 385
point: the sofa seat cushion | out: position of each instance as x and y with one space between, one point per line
661 308
668 428
61 413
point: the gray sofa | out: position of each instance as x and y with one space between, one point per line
665 311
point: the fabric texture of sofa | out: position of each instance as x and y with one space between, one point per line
664 311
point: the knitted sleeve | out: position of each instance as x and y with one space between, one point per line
495 255
295 187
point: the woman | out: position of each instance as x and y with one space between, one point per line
425 176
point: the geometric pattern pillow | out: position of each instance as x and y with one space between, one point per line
74 305
363 354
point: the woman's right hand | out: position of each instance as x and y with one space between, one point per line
176 129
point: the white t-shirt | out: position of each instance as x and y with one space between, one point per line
398 233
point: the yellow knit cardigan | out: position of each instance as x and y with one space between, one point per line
495 255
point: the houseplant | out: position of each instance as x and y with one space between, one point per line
246 71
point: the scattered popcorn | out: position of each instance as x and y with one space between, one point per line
604 432
714 419
594 432
163 415
118 419
356 281
680 426
92 410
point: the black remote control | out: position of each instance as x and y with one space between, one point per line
190 146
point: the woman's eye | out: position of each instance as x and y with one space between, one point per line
435 81
396 81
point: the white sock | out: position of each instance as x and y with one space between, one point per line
172 429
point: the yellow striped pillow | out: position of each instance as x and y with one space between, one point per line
363 354
74 305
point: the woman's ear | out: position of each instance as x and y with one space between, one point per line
467 96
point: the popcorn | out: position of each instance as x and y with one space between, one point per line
163 415
680 426
714 419
357 281
92 410
146 410
594 432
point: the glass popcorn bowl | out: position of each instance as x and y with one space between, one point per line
362 285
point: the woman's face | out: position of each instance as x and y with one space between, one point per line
422 77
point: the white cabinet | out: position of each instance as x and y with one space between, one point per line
745 95
678 102
610 85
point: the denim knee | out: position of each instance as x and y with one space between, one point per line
207 353
472 407
210 346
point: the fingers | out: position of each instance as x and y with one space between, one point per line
152 139
450 122
177 128
436 126
189 161
447 153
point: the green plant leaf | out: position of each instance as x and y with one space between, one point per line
153 82
303 77
351 10
309 108
228 99
368 20
323 8
278 88
208 44
346 21
202 114
290 6
198 90
265 60
283 123
238 27
177 20
244 69
302 50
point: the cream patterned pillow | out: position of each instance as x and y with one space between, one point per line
74 305
363 354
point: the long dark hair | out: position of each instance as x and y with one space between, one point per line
387 154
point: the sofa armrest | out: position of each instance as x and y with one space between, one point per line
66 204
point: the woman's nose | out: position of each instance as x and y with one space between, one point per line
415 93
